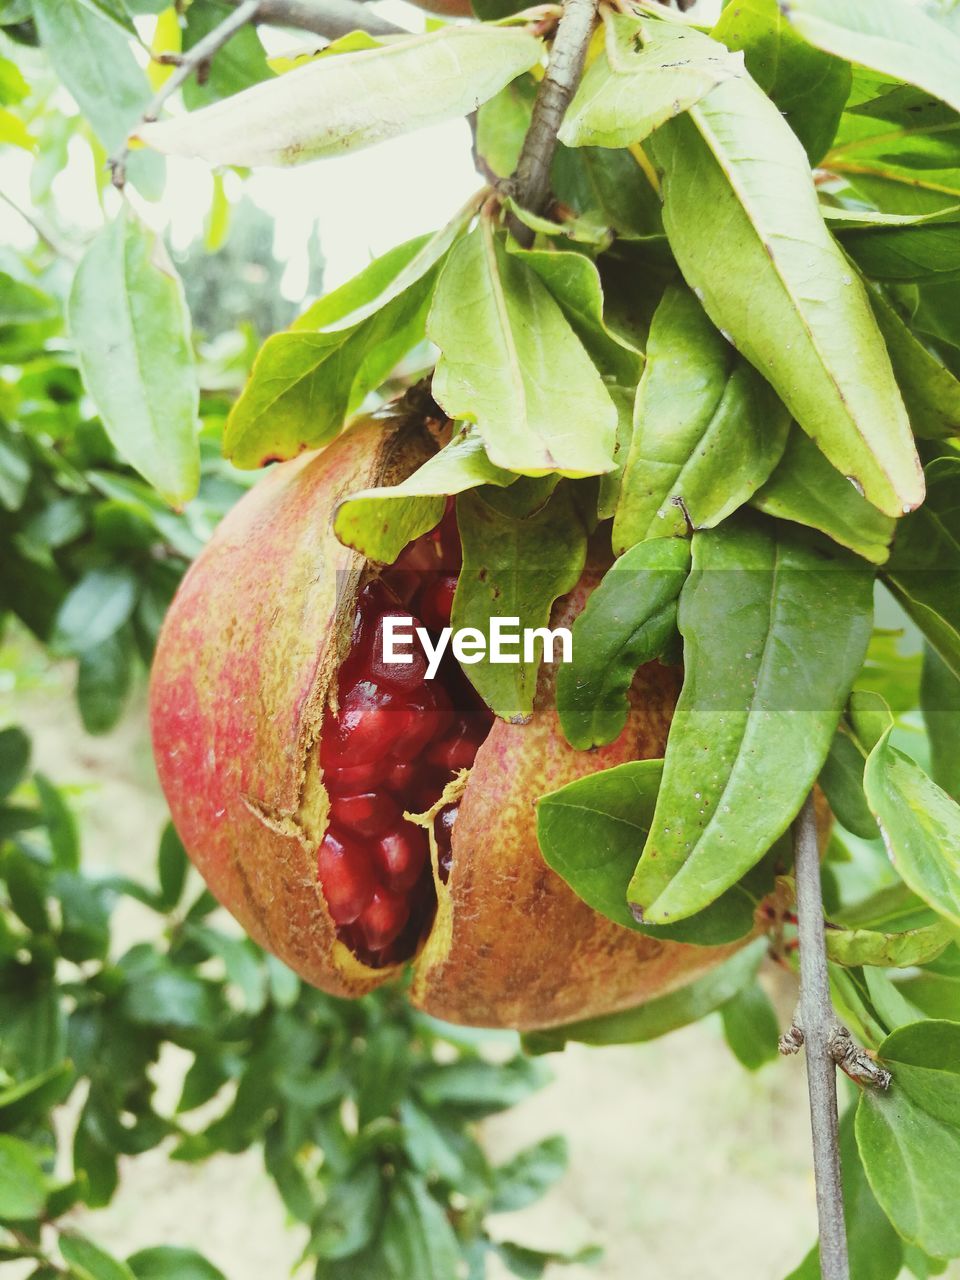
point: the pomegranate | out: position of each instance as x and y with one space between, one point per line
355 816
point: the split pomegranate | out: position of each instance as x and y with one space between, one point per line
290 753
412 736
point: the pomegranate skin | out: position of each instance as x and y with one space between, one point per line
559 960
244 662
245 666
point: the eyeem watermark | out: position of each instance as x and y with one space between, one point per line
505 644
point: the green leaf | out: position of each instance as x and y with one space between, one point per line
751 1028
306 381
349 1218
23 1185
607 189
909 1138
921 1265
34 1030
418 1239
870 717
589 833
842 781
476 1088
15 469
60 824
429 1146
104 677
773 278
29 1101
810 88
529 1175
574 280
14 758
891 1005
775 633
502 123
352 100
935 989
99 605
27 889
890 678
626 622
166 996
887 36
131 327
940 700
652 71
172 867
531 1264
927 249
875 1249
95 1159
850 998
380 522
897 146
94 59
514 568
517 369
660 1016
924 570
242 962
887 909
920 825
165 1262
89 1262
855 947
809 490
708 430
930 391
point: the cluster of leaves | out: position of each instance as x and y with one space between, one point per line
91 553
365 1111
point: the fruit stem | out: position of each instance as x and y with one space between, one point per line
530 185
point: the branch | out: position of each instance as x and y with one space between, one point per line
327 18
818 1024
530 185
330 19
828 1045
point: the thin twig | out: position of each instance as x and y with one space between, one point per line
43 234
187 64
530 185
330 19
828 1045
819 1023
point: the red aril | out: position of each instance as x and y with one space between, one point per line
457 749
399 675
401 856
369 814
346 877
354 778
436 601
384 918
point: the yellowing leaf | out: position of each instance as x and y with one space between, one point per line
353 100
